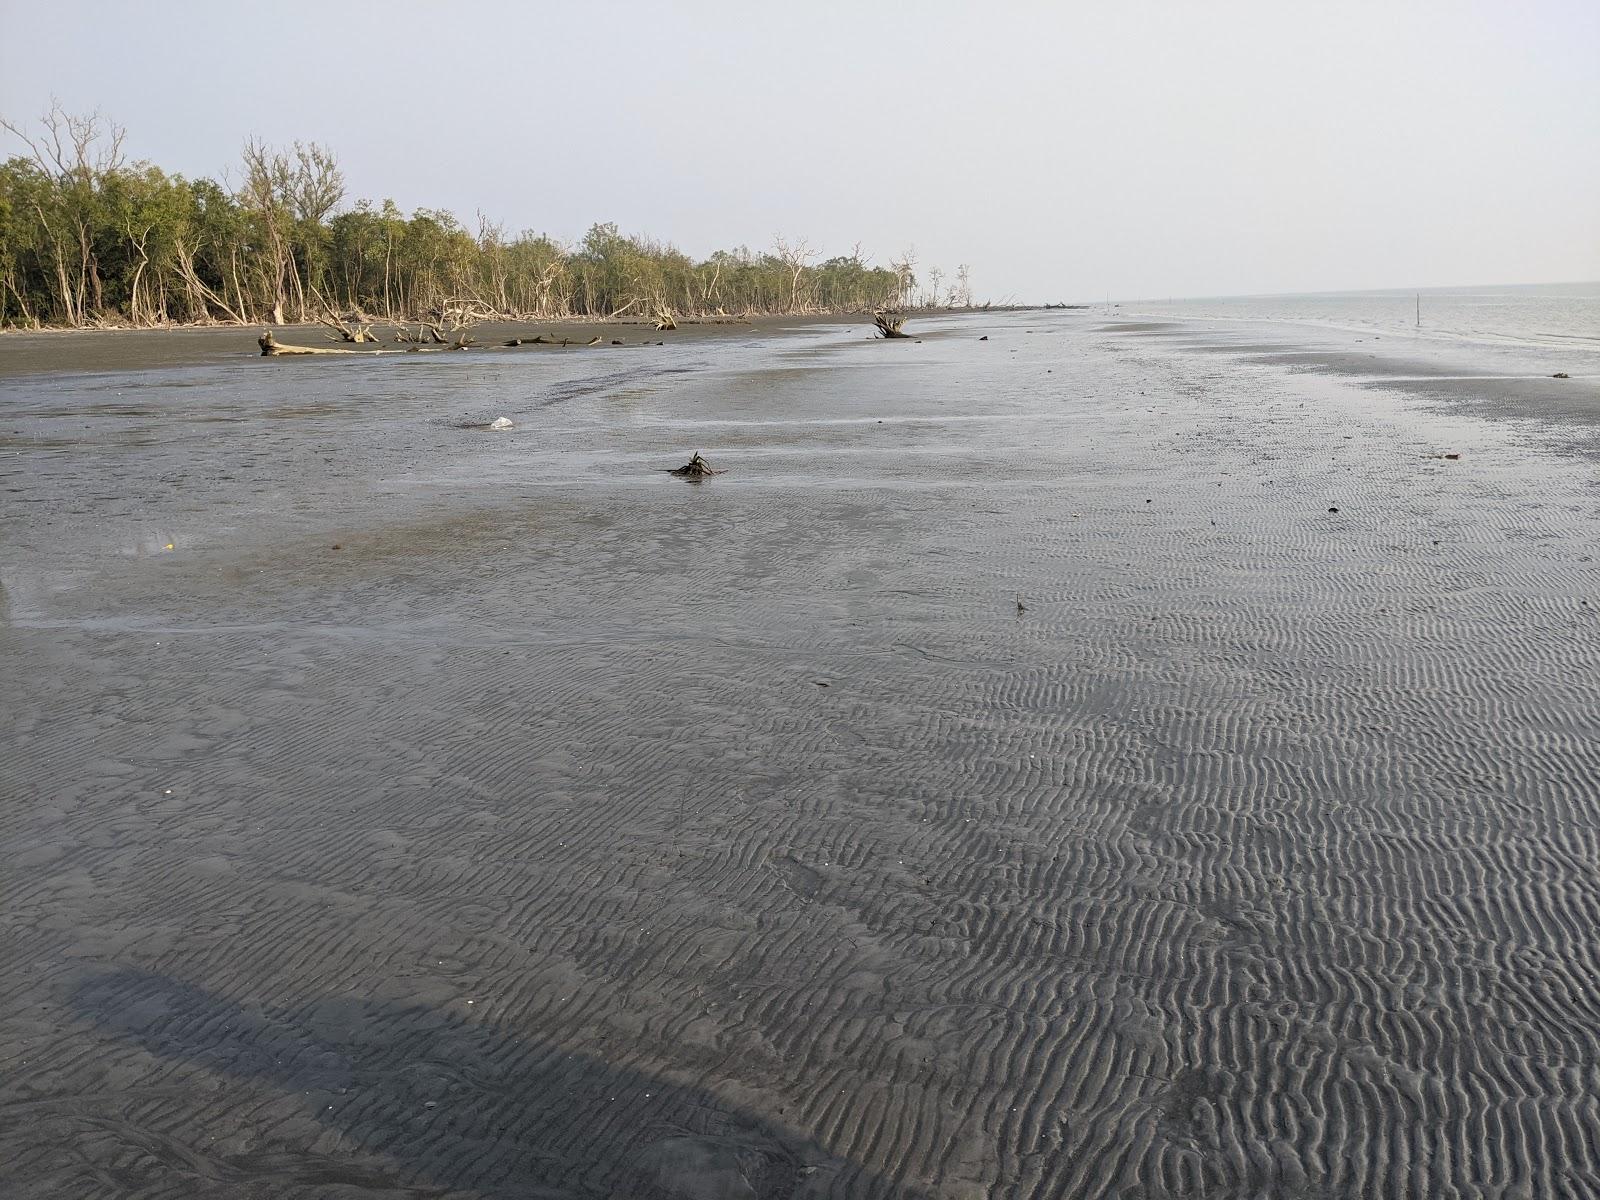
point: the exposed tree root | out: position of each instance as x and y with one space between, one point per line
347 332
890 324
425 333
695 468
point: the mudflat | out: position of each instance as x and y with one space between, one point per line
1113 759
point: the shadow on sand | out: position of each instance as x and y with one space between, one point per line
426 1102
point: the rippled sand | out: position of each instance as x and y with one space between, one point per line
1011 778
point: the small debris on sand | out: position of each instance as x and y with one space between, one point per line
695 468
984 338
500 423
1561 375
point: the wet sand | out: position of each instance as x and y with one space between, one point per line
29 352
1011 778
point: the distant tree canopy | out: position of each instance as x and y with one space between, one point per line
88 237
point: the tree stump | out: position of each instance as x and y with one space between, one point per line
695 468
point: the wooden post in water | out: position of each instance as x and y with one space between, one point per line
1419 310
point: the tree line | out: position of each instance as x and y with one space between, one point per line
88 237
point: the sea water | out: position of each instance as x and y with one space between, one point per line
1546 314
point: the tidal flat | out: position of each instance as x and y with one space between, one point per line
1117 759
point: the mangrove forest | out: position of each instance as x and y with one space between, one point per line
89 237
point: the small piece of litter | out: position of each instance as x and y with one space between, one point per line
500 423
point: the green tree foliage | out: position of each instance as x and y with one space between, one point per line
89 238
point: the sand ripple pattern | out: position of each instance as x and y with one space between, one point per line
641 838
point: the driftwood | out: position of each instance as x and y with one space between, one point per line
463 342
665 319
425 333
695 468
890 324
271 347
347 332
541 340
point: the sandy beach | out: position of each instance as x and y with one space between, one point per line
1123 758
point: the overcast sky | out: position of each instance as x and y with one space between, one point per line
1067 151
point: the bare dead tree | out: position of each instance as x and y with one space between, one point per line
961 294
264 193
283 190
315 184
795 256
905 273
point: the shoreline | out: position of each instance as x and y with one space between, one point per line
30 352
21 344
43 352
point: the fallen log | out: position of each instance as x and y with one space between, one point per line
271 347
541 340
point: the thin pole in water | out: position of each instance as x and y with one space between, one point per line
1419 310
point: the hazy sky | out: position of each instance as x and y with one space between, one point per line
1067 151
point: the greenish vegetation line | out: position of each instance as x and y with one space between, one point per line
89 238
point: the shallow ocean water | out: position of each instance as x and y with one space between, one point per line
1555 315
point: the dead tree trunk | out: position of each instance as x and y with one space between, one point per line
271 347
